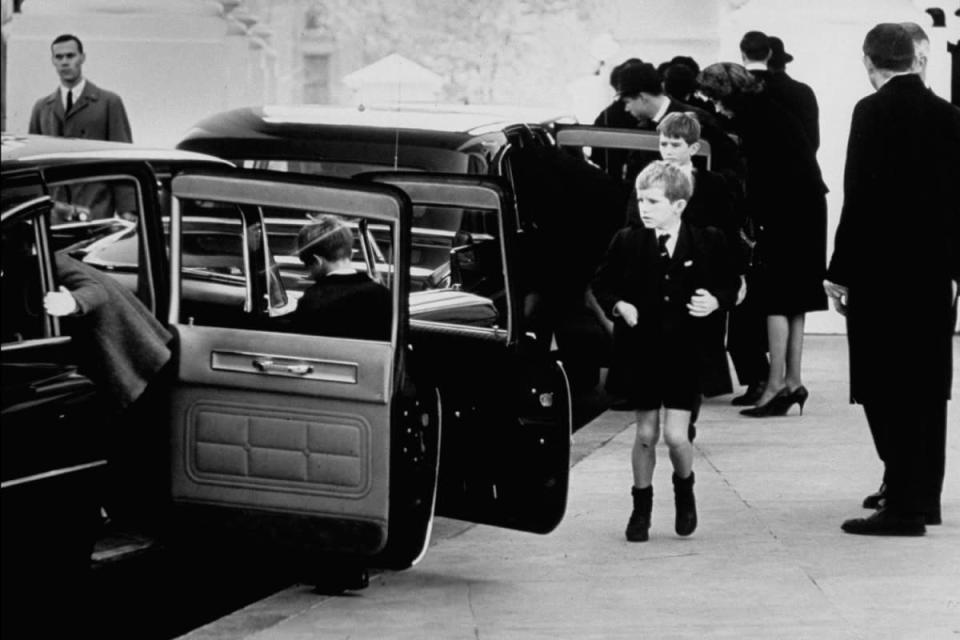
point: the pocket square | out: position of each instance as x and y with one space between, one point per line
688 263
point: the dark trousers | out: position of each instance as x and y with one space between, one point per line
911 440
747 339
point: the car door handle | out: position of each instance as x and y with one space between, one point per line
266 365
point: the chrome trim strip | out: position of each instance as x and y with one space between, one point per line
6 484
173 313
453 327
9 213
272 365
35 343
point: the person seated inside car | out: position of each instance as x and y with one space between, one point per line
342 301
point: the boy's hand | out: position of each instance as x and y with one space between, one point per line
838 295
626 311
60 303
702 303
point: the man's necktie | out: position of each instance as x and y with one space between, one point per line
662 245
69 101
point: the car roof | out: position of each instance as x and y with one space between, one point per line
433 125
36 150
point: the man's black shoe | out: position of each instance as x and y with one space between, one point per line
932 517
878 499
886 523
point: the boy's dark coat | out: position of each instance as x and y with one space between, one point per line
631 272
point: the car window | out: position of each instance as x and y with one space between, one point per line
22 282
456 267
223 256
97 221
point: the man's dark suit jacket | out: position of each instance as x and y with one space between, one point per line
897 245
98 114
797 98
631 271
613 160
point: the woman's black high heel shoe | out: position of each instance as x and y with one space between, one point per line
800 395
778 405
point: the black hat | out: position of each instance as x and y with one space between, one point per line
755 45
639 78
889 46
688 61
778 56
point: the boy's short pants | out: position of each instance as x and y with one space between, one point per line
672 381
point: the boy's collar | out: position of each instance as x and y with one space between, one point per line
673 230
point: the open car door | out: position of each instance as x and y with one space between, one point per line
505 452
322 440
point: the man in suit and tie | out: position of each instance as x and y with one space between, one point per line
80 109
898 290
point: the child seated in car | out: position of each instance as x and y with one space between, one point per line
342 302
658 283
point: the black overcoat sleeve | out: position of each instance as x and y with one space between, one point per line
607 284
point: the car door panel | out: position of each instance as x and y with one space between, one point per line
505 449
303 432
320 366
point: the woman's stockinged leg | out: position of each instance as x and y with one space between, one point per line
675 422
644 454
778 333
794 377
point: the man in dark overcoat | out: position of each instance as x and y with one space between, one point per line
80 109
898 288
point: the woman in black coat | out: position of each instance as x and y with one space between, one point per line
786 200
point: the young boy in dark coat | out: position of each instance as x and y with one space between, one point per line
658 283
342 302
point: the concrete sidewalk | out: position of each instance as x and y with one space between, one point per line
767 561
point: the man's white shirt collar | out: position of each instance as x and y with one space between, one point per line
342 271
663 110
755 66
894 75
77 91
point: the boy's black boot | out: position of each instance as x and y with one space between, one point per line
686 522
638 528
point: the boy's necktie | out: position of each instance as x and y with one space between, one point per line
662 245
